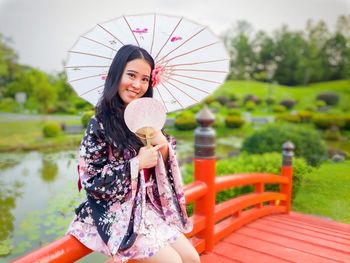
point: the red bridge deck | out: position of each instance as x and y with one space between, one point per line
285 238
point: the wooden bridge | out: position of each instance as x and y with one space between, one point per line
254 227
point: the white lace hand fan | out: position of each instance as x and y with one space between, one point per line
144 116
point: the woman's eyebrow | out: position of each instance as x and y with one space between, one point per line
136 72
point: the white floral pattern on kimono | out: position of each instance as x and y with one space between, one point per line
113 185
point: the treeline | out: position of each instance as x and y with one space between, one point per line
290 57
45 93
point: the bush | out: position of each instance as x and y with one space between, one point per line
320 104
233 121
270 101
288 117
235 112
250 105
222 100
278 108
232 105
86 118
185 121
308 142
209 100
289 103
244 163
215 106
51 129
8 105
332 134
253 98
305 116
326 121
329 98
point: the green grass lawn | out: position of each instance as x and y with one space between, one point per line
27 135
304 95
326 193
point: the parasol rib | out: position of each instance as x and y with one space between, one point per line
183 43
189 85
86 77
161 99
181 91
86 92
88 54
154 27
200 70
90 39
127 22
111 34
168 38
86 66
196 63
172 95
191 51
206 80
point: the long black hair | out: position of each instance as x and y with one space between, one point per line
110 108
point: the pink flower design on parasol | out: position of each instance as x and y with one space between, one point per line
157 75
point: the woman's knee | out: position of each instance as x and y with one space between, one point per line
186 250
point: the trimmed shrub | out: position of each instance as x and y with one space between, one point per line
185 121
332 134
305 116
326 121
320 103
234 121
261 163
278 108
289 103
215 106
288 117
250 105
232 105
209 100
86 118
222 100
235 112
51 129
330 98
307 141
251 97
270 101
347 121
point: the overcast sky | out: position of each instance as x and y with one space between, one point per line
44 30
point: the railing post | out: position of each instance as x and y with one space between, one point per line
287 171
205 171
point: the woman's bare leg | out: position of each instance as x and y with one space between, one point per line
164 255
186 250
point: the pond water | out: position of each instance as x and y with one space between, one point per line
38 194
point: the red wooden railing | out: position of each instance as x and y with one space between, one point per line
211 221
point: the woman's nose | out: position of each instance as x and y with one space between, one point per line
136 84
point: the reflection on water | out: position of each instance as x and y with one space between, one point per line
48 171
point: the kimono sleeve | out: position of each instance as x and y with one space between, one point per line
100 177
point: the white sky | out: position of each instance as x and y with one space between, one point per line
44 30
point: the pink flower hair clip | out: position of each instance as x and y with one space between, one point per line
157 73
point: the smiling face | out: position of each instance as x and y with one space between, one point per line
135 80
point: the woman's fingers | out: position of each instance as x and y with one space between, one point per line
157 147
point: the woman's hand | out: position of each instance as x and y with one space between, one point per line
148 156
158 138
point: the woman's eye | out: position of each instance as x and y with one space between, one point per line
131 75
146 80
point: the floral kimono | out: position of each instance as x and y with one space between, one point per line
118 192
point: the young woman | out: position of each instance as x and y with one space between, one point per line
135 207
